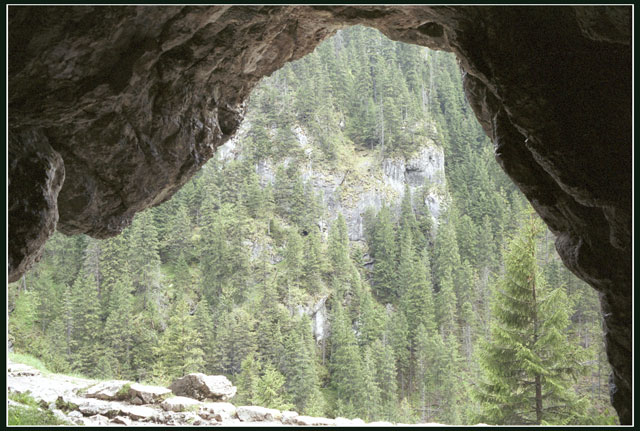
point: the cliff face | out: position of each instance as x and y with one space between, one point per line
370 181
133 100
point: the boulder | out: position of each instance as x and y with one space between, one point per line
344 422
109 390
97 420
144 394
288 417
313 421
257 414
90 407
121 420
59 414
202 387
219 411
21 370
180 404
380 424
138 413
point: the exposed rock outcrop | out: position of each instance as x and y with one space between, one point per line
129 102
370 184
109 390
258 414
180 404
145 394
72 404
203 387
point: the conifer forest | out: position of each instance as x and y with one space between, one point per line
326 263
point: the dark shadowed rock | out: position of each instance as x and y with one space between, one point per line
201 387
36 174
127 103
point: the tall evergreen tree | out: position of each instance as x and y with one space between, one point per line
529 363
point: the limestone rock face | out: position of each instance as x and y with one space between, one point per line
130 101
314 421
221 412
108 390
202 387
144 394
258 414
180 404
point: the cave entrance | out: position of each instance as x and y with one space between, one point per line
348 131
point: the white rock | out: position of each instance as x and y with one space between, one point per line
121 420
74 414
257 414
180 404
313 421
107 390
202 387
59 414
218 411
21 370
144 394
138 412
380 424
97 420
288 417
90 407
344 422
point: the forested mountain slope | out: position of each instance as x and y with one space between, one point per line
340 256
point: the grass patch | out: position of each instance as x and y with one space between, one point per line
123 392
65 406
31 414
32 361
24 398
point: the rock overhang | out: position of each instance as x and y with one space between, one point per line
113 109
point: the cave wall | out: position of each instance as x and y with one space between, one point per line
112 109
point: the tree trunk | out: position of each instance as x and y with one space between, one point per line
538 400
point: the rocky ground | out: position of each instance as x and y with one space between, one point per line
195 399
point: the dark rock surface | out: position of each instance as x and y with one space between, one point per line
129 102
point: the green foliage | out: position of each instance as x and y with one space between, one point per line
269 390
180 348
529 363
22 358
31 414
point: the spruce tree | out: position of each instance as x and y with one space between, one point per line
179 351
385 255
529 363
118 328
87 326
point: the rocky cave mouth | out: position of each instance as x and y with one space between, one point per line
113 109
